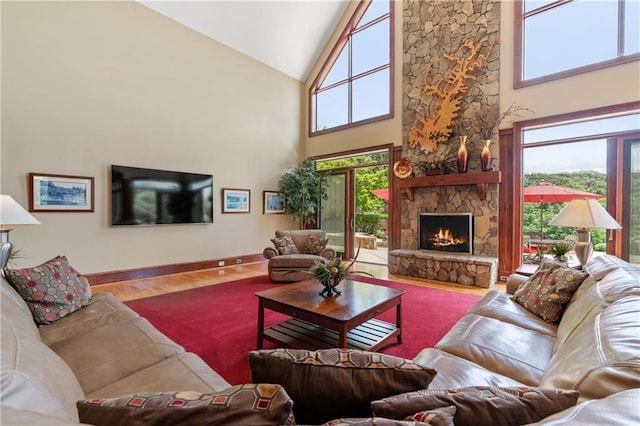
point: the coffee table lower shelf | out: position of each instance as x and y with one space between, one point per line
295 333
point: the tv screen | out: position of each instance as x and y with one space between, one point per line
157 197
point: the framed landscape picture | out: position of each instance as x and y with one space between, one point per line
273 202
236 200
60 193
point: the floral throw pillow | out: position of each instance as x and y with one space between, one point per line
285 245
248 404
315 245
52 290
549 290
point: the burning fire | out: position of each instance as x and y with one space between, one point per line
444 237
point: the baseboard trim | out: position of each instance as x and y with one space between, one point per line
154 271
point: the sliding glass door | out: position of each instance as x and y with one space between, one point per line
631 201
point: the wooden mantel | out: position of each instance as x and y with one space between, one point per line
480 179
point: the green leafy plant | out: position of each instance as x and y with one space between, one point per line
303 188
559 250
15 254
333 272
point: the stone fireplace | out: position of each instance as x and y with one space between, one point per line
433 29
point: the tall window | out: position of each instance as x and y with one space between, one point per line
566 37
355 84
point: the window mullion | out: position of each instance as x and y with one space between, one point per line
621 25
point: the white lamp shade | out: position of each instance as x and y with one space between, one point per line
13 214
585 213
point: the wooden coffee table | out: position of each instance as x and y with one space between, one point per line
344 321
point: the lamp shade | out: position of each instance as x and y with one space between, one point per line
585 213
13 214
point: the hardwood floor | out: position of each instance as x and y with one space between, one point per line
146 287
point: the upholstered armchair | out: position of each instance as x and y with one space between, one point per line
294 252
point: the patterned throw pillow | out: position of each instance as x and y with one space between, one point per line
481 405
344 381
315 245
52 290
285 245
435 417
238 405
549 290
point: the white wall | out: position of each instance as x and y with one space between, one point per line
90 84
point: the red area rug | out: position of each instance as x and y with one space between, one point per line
219 322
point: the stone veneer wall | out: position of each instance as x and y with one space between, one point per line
432 28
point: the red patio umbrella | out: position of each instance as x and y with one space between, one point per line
381 193
547 192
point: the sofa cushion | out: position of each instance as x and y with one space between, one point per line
250 404
600 357
501 347
34 378
548 290
481 405
622 408
315 245
459 372
334 383
91 354
285 245
104 310
52 290
184 371
499 305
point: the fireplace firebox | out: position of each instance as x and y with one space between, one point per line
446 232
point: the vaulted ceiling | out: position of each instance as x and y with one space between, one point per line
287 35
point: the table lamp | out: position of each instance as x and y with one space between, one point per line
12 214
584 214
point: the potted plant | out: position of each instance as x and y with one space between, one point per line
332 273
303 187
559 251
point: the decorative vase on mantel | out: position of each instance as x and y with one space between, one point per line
463 155
485 156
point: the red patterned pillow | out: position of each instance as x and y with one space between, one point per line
549 290
238 405
52 290
285 245
315 245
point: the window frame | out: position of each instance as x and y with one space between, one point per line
519 48
345 36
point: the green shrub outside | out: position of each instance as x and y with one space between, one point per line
369 223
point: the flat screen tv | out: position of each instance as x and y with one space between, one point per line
159 197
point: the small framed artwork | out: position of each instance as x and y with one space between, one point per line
273 202
236 200
60 193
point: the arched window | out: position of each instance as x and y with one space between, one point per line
354 86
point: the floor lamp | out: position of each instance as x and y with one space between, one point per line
585 215
12 214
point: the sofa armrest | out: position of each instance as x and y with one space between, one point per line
514 281
270 252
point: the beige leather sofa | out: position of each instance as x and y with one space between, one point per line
293 267
105 349
595 348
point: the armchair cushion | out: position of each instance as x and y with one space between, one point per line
285 245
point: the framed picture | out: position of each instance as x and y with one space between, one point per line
236 200
60 193
273 202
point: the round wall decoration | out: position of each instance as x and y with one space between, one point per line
402 168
